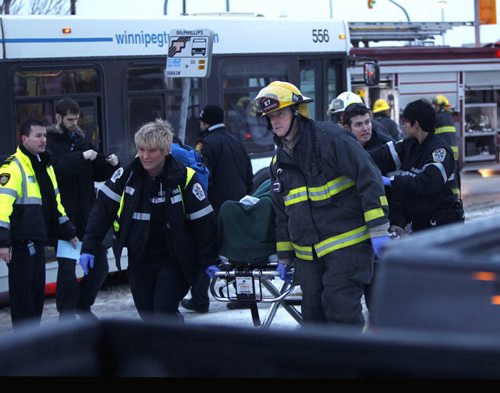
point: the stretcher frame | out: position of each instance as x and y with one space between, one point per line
247 282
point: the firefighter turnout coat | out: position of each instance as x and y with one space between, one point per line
421 181
122 202
21 210
328 195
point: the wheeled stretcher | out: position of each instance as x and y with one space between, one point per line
248 261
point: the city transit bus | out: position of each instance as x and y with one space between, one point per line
115 70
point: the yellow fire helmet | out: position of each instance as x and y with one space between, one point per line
380 106
442 101
278 95
342 101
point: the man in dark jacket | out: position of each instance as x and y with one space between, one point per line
331 209
357 120
31 214
231 178
160 212
77 165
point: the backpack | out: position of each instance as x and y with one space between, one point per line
188 156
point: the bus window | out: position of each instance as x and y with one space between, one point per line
55 82
43 111
242 81
145 78
150 98
36 92
333 82
307 87
144 109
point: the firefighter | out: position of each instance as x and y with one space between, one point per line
31 214
421 169
381 113
445 128
339 105
160 212
329 202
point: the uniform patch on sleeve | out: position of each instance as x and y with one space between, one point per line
198 147
118 173
4 178
439 155
198 191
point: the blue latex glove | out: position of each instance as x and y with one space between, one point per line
211 270
386 181
86 262
378 244
284 272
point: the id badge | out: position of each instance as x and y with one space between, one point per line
31 248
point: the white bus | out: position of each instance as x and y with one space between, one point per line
114 68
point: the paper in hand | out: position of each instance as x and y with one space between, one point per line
66 250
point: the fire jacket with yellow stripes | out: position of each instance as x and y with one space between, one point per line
122 204
445 128
328 195
21 212
421 181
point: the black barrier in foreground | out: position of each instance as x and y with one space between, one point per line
446 279
131 348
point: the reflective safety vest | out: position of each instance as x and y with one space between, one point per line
20 199
125 203
146 216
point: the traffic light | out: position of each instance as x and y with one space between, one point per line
371 3
487 12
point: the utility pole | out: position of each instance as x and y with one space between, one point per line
442 4
477 24
165 7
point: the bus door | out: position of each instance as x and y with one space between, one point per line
322 80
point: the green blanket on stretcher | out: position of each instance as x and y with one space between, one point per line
246 232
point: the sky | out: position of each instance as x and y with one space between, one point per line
350 10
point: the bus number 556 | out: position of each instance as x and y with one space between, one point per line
320 35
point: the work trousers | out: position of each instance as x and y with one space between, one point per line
332 286
26 282
157 288
72 295
199 290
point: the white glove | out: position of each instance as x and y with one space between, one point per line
90 154
112 159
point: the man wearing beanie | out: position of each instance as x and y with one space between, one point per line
231 178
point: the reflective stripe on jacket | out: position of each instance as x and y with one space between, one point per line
423 178
328 197
122 203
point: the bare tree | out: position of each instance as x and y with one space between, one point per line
49 7
36 7
10 6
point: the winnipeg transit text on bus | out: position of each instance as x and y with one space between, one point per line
114 69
